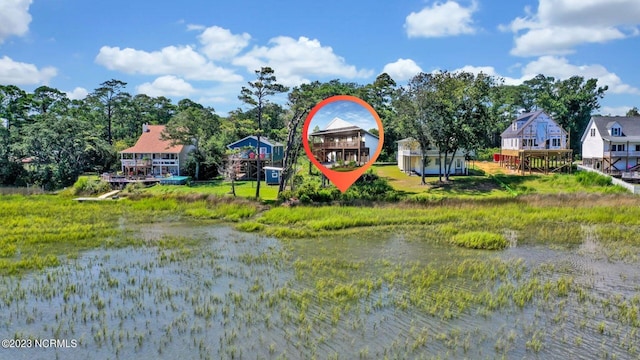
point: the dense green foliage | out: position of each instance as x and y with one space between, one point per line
368 187
48 140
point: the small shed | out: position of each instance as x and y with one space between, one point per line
272 175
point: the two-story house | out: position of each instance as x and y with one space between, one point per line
534 131
611 144
341 141
270 150
410 159
153 156
534 141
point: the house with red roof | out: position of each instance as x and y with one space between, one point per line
153 156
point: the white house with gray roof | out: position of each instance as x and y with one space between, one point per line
410 159
611 144
534 131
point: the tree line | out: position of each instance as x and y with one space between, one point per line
48 140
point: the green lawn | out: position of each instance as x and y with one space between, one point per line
495 184
460 186
245 189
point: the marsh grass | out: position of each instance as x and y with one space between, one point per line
536 219
41 230
480 240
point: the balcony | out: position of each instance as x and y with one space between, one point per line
136 162
614 154
165 162
338 145
410 153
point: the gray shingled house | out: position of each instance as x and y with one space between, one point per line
611 144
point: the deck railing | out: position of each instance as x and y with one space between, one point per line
339 145
136 162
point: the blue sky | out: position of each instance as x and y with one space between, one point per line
348 111
207 50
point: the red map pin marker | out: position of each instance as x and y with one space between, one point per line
343 142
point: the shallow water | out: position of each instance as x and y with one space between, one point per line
238 295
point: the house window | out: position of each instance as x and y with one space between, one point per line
438 161
263 150
555 142
637 147
458 163
615 131
593 132
618 147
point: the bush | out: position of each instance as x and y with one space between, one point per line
588 178
480 240
368 187
87 186
486 154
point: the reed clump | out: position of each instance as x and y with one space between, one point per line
480 240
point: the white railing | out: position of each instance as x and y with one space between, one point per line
410 152
136 162
165 162
622 153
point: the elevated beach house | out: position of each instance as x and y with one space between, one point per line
534 141
341 141
410 159
611 144
153 156
248 150
271 151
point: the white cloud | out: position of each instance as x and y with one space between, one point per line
561 25
167 85
560 68
78 93
402 69
174 60
19 73
14 18
614 110
297 60
441 19
219 43
191 27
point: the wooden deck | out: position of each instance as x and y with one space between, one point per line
537 160
107 196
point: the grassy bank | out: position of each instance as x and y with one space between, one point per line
563 220
490 182
37 231
244 189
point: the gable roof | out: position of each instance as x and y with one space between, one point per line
338 123
263 140
526 117
630 127
151 142
337 126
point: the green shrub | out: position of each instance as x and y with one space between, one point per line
368 187
85 185
487 154
588 178
480 240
